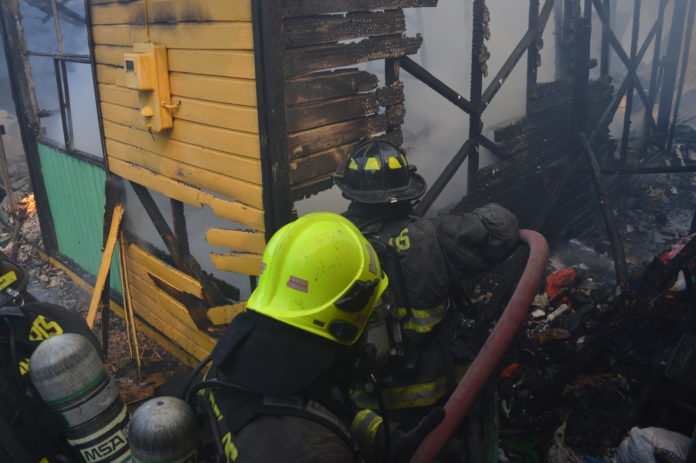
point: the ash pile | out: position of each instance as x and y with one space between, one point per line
602 372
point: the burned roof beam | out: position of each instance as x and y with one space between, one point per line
422 74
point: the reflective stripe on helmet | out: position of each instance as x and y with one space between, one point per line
394 163
372 164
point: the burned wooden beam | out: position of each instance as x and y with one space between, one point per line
293 8
652 95
620 266
650 170
186 264
422 74
308 59
623 151
605 53
325 112
621 53
608 114
330 84
268 30
533 57
181 239
671 63
478 61
314 30
391 94
434 191
523 45
494 148
682 76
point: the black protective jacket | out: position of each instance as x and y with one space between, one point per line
434 256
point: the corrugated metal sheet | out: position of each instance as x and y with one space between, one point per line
76 195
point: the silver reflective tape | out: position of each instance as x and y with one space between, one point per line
93 407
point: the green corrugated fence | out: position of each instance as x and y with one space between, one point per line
75 191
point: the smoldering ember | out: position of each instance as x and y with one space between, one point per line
348 230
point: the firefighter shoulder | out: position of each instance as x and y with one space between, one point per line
425 259
279 376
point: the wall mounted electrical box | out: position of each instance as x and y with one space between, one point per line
147 71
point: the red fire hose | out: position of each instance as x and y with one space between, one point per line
493 350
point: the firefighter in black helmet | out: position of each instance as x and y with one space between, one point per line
425 259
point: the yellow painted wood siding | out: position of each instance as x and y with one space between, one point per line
211 156
214 144
158 308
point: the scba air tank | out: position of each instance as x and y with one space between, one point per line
73 383
163 430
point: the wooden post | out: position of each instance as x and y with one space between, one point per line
532 52
629 92
269 42
476 90
103 274
654 71
22 85
614 240
682 76
671 62
181 240
606 51
186 264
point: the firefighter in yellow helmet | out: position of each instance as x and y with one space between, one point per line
277 386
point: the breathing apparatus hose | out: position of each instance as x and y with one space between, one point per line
193 376
492 351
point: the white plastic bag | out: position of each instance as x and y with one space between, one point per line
640 445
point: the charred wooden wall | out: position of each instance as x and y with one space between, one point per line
328 110
541 149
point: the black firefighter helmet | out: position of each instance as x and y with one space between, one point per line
376 172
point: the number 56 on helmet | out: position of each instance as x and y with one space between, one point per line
321 275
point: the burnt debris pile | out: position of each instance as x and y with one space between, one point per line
596 360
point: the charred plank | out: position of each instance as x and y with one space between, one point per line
317 114
293 8
319 164
391 94
304 143
325 85
314 30
308 59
